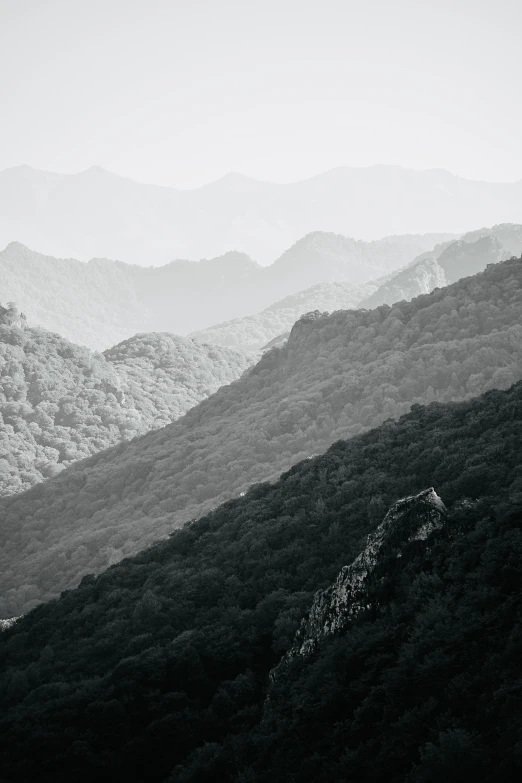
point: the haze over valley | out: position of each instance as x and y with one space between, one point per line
102 302
260 392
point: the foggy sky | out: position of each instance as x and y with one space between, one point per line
181 92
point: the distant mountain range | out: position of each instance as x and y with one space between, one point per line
338 376
102 302
448 262
96 213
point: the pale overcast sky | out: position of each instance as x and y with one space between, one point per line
179 92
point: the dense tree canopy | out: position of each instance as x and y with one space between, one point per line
338 376
60 402
160 666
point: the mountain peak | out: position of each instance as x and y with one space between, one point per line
17 248
96 171
233 180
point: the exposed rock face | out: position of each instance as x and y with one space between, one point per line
10 316
411 519
8 623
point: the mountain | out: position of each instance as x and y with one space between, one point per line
413 635
336 377
321 256
103 302
254 332
412 518
463 258
447 263
96 213
60 403
159 668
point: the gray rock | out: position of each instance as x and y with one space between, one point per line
412 518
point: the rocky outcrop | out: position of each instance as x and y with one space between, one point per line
412 518
8 623
11 316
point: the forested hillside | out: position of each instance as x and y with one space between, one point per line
60 403
338 376
446 263
449 262
159 668
102 302
254 331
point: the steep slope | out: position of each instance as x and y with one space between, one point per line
337 376
96 213
464 258
321 256
419 278
412 518
60 403
449 262
161 664
254 332
103 301
416 679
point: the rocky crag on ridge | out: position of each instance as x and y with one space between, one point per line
412 518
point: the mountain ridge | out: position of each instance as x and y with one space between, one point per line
178 642
448 262
337 376
98 213
103 301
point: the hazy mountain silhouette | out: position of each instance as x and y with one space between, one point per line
449 262
102 302
337 376
97 213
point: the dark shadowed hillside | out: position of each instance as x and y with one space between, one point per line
337 376
160 667
60 403
102 302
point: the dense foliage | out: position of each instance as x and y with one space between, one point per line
426 689
161 665
59 402
102 302
337 376
253 332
